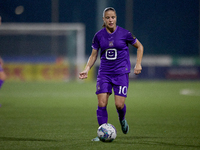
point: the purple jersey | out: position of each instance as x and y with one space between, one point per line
114 50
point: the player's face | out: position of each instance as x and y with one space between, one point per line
110 19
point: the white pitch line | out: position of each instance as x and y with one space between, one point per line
190 92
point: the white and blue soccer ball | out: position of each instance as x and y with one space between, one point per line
106 132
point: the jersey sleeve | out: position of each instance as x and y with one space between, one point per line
95 43
131 38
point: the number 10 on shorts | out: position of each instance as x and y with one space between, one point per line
123 90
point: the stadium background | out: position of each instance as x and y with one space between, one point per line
162 114
169 31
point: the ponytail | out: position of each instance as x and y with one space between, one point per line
104 25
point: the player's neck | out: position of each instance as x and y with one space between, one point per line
111 30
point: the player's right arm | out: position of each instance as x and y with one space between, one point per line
92 59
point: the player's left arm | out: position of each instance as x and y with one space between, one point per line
140 49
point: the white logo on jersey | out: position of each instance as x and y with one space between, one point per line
111 54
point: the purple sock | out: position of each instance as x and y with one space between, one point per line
122 113
102 115
1 83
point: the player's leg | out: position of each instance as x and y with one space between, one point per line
103 91
121 110
120 106
102 115
120 89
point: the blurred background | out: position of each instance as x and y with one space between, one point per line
51 39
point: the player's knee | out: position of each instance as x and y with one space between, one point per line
119 106
119 102
102 99
102 103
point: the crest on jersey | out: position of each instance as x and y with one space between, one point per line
111 43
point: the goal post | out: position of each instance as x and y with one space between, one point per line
59 39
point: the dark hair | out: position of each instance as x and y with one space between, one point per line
105 10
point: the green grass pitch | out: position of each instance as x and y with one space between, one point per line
162 115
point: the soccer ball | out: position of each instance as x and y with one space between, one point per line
106 132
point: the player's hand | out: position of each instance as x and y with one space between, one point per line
137 69
83 75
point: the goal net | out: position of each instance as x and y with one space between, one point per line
51 51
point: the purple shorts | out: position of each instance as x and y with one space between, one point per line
119 83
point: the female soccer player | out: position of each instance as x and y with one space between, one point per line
114 68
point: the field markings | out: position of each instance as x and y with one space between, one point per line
190 92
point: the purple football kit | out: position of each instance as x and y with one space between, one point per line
115 60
